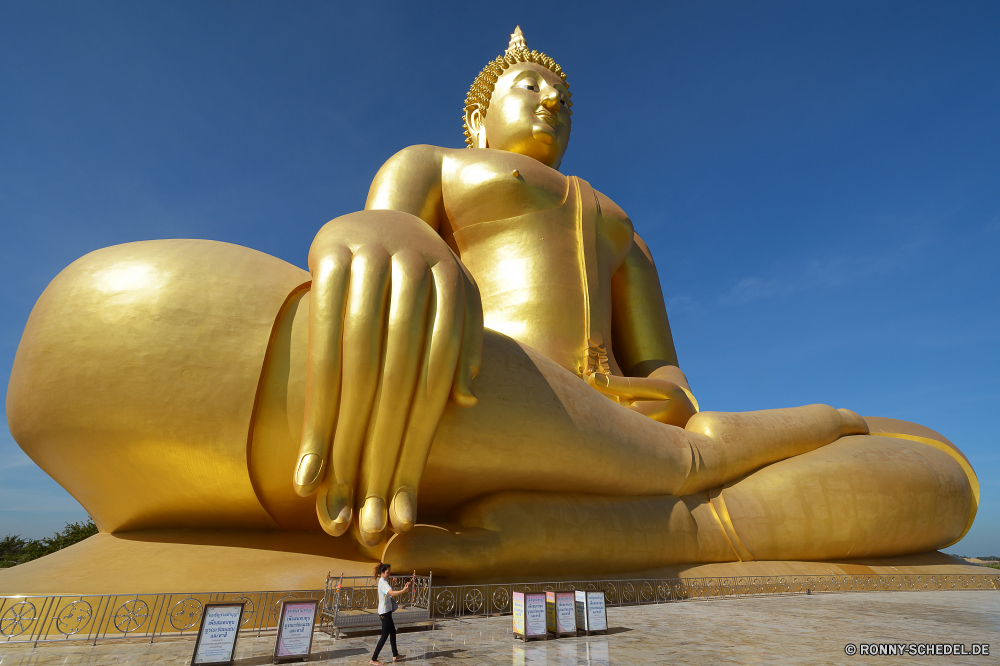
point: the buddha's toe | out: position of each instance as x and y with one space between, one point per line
851 423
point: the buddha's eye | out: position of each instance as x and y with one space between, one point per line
528 84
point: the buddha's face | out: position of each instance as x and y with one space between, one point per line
529 114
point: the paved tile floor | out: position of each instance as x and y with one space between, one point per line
810 629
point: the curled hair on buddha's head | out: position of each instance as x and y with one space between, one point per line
381 568
481 91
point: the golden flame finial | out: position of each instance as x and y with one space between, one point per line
517 40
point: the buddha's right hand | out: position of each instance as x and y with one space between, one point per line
395 327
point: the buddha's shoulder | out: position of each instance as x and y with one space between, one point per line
422 157
612 212
421 154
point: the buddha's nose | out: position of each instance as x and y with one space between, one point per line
551 99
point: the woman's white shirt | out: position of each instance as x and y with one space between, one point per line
386 604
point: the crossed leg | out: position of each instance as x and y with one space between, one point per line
862 496
546 475
538 427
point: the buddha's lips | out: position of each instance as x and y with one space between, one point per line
548 116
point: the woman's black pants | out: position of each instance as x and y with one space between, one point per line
388 631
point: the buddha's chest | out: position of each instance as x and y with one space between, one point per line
544 274
485 185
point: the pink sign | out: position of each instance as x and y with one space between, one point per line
295 629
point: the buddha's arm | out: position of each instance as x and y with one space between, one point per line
410 182
643 344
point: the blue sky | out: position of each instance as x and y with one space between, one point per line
819 182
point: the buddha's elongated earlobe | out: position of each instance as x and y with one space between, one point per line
474 121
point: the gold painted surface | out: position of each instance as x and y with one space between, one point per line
861 496
155 561
274 435
135 379
721 513
189 561
962 461
484 349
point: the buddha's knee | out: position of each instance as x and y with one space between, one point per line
134 382
862 496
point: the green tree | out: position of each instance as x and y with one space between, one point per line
14 550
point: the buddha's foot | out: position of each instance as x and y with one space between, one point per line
429 548
522 533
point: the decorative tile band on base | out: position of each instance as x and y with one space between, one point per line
54 618
466 600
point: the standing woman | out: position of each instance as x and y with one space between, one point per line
387 604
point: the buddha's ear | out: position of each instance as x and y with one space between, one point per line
474 121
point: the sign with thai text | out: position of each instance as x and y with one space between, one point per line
591 612
295 629
597 615
529 614
220 626
560 612
534 614
565 613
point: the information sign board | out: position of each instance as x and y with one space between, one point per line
580 601
529 614
550 611
565 614
295 629
560 613
597 614
534 614
591 612
518 608
220 626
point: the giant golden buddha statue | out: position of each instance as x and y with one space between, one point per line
476 376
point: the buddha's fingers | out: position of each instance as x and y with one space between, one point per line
634 388
411 284
326 316
676 411
433 388
363 324
471 354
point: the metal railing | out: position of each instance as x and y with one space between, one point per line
36 619
488 600
353 602
52 618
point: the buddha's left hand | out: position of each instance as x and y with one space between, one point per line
659 399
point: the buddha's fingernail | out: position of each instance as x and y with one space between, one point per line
602 380
403 511
309 468
340 508
372 520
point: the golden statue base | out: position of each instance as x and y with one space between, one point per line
181 561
